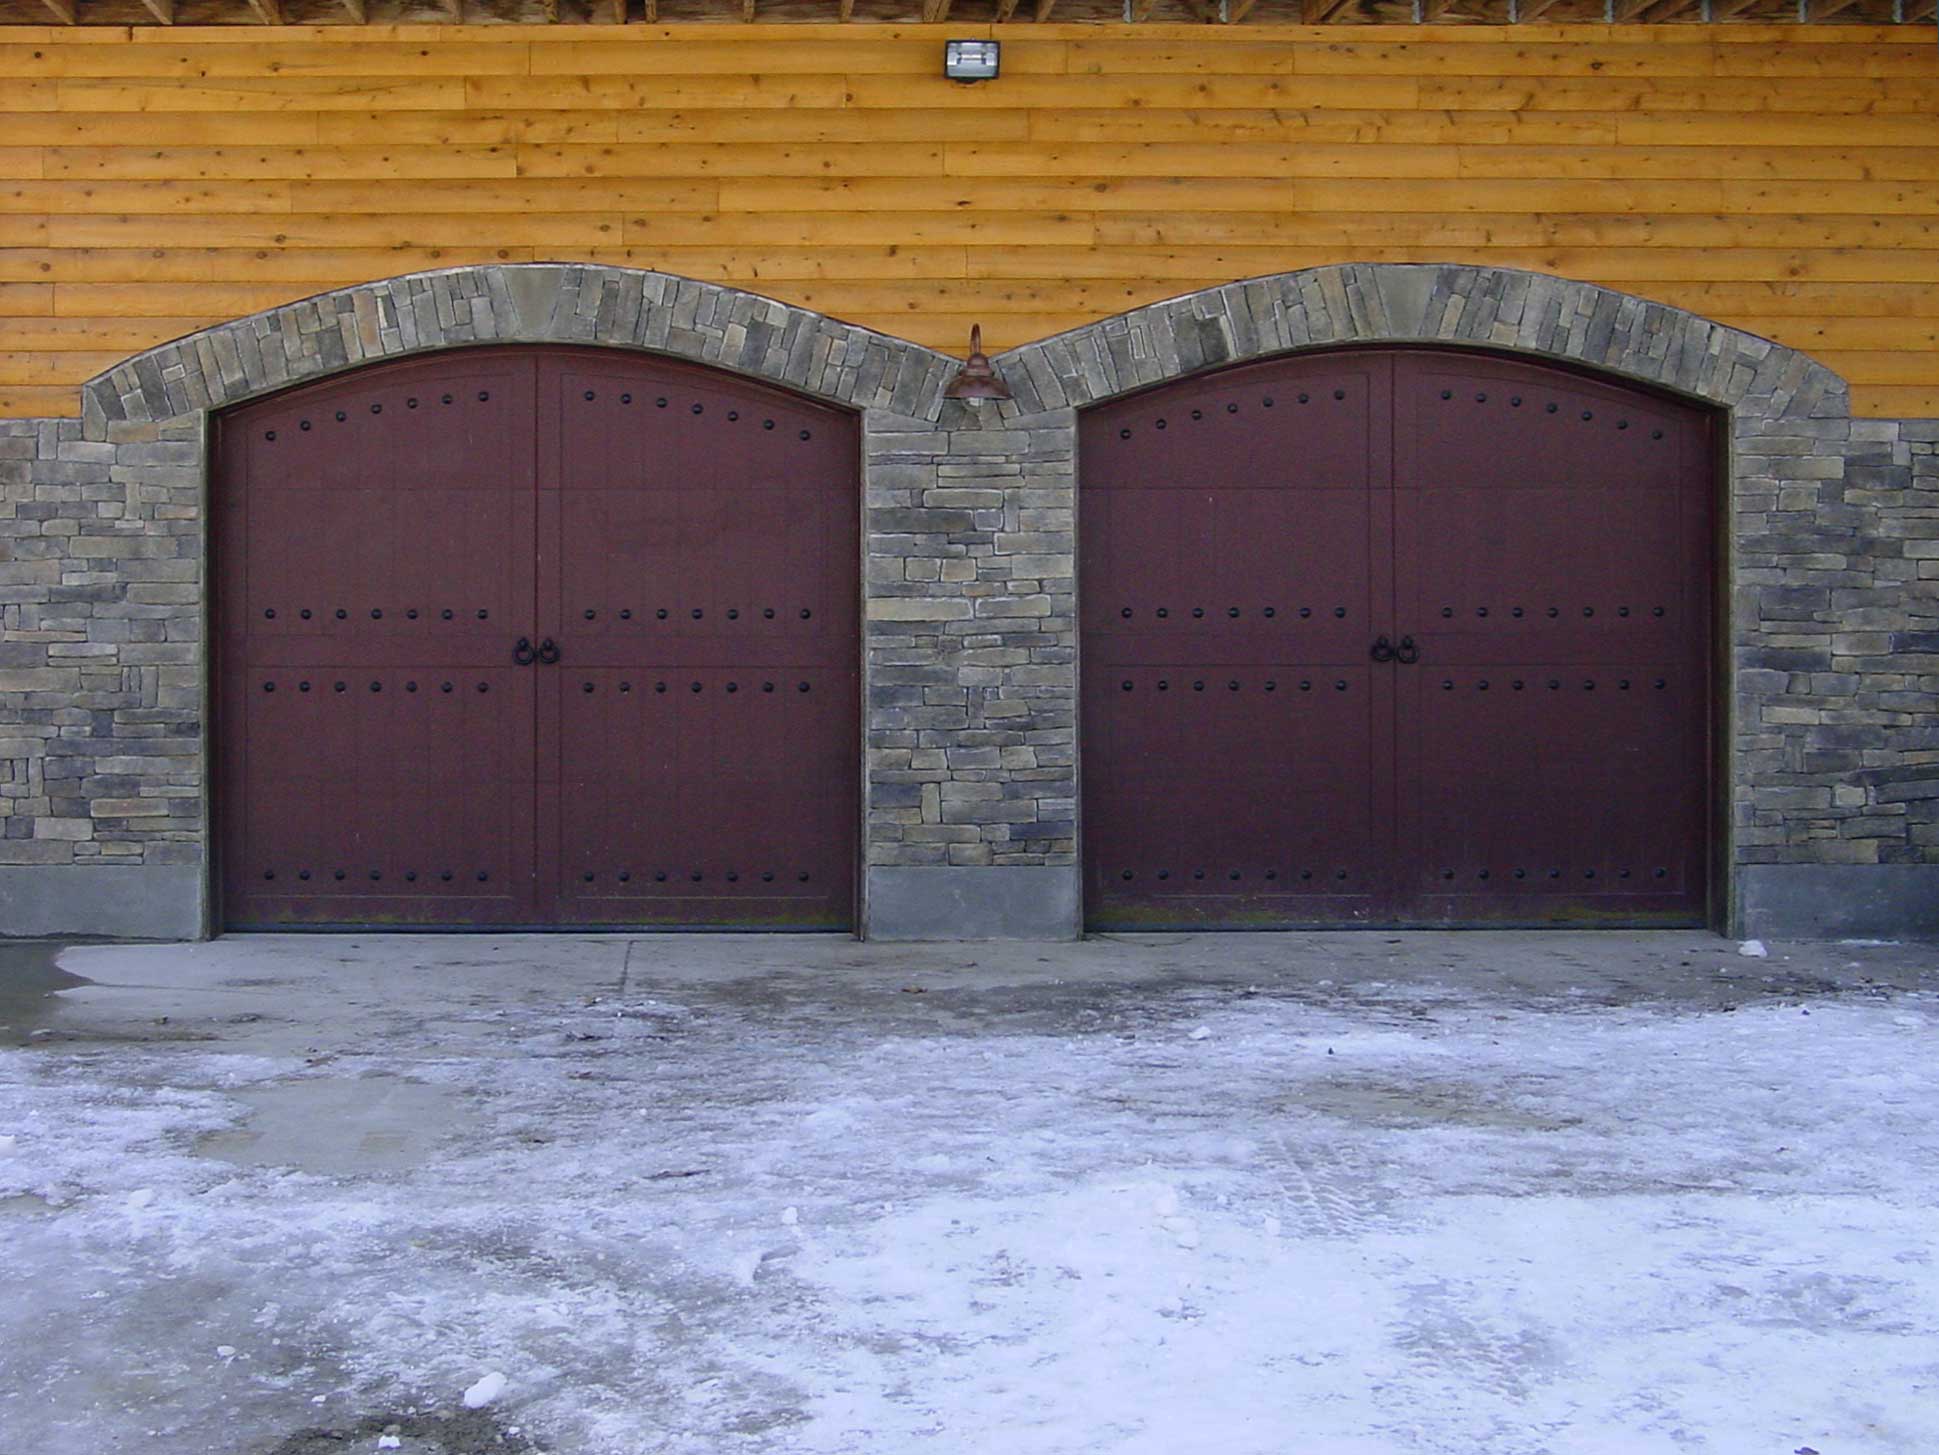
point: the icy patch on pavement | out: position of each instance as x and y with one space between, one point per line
1393 1233
487 1389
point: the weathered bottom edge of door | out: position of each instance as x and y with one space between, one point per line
1174 921
340 927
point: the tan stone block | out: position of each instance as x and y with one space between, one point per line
128 807
1012 606
918 608
64 828
36 851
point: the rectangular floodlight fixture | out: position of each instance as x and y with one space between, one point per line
971 60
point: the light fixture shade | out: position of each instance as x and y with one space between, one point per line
972 60
978 378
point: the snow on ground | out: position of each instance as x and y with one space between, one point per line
685 1218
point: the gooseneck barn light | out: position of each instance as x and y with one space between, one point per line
972 60
978 378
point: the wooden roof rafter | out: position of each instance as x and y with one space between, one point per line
1657 12
1397 13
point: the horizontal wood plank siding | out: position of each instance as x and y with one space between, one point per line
1783 179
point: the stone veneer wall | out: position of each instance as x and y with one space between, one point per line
1832 599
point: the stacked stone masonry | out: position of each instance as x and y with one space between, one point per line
1831 531
972 639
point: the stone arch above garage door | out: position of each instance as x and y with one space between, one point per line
1367 303
626 308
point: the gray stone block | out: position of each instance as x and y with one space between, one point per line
1840 901
973 902
135 901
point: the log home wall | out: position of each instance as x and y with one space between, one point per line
1784 180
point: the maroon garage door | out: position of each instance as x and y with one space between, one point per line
537 637
1395 638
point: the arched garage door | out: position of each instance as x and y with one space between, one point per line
1395 638
537 637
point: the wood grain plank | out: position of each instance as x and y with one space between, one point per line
24 230
737 159
1815 335
1212 124
1668 95
757 267
1778 129
538 195
1439 58
166 265
162 128
92 333
803 127
1132 93
1740 163
62 401
26 300
1278 196
53 370
1001 229
1896 402
24 95
154 197
1765 299
1208 161
279 59
209 302
245 93
465 128
624 93
308 230
1879 366
308 163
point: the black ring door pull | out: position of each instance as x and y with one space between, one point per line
523 654
548 651
1407 653
1383 650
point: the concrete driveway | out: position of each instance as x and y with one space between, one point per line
1347 1194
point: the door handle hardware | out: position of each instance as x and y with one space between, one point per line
523 654
1407 652
1383 650
548 652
